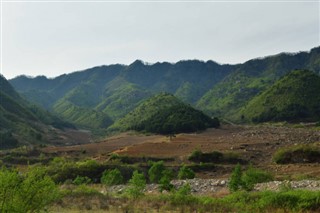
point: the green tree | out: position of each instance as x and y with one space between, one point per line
155 171
136 185
235 180
112 177
185 173
165 181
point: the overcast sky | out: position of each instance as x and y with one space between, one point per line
52 38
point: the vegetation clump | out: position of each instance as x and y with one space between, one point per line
156 171
136 185
112 177
186 173
81 180
165 181
214 157
29 192
247 179
297 154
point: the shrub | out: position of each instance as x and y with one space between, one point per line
184 190
80 180
30 192
215 157
198 156
185 173
112 177
247 179
136 185
253 176
155 171
235 180
167 176
297 154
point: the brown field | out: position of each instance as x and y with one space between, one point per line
255 144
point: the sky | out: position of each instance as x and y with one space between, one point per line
55 37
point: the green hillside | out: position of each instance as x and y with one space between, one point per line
121 98
294 97
226 98
21 122
164 114
81 116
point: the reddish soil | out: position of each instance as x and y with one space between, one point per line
256 144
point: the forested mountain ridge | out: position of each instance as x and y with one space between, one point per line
20 121
113 91
295 97
228 97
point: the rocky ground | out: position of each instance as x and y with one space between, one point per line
218 186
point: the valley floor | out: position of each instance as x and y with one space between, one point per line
255 144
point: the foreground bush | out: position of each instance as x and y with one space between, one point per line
297 154
30 192
241 201
136 185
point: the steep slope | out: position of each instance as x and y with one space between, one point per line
251 78
21 122
120 97
164 114
81 116
294 97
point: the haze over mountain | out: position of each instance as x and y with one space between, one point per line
96 97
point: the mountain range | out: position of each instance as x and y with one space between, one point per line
102 96
116 89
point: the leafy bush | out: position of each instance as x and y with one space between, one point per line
167 176
155 171
253 176
297 154
184 190
136 185
30 192
247 179
182 196
185 173
235 180
80 180
112 177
